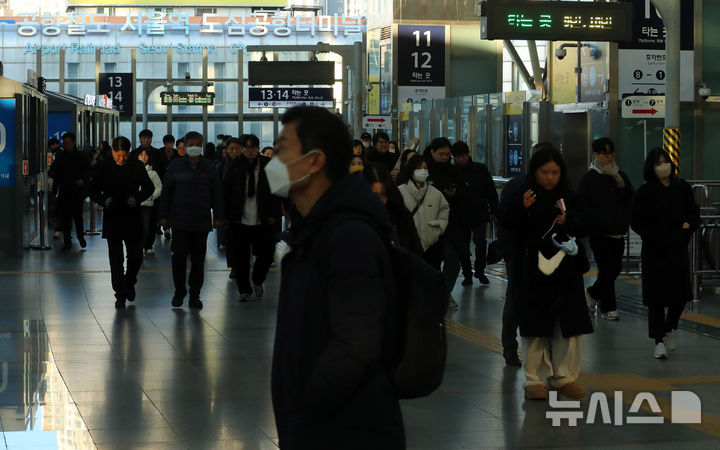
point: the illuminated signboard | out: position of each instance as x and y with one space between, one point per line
557 21
187 98
287 97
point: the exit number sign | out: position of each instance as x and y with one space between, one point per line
556 21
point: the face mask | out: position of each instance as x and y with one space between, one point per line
355 169
278 175
663 170
366 144
193 151
421 175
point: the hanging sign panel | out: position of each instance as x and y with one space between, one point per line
556 21
288 97
421 63
118 88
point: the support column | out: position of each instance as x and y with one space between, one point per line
670 10
241 87
204 89
169 77
133 120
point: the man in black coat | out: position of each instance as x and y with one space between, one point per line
71 173
447 178
608 194
252 214
190 198
120 186
336 330
380 151
481 202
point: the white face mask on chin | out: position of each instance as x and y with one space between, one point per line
278 175
193 151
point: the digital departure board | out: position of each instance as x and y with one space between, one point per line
556 21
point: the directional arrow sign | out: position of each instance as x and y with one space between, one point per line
643 107
376 122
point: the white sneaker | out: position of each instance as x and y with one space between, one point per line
591 302
669 341
610 315
150 252
259 290
452 304
660 351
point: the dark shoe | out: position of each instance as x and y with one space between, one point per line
244 297
195 303
177 300
467 281
512 359
130 293
120 304
83 242
259 290
233 273
483 279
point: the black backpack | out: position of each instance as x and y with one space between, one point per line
422 302
422 344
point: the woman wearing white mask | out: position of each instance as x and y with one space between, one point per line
665 215
428 206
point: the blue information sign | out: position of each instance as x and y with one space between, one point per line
7 142
59 123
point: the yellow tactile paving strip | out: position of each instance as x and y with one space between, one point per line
629 384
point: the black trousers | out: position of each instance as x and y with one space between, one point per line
659 323
251 240
71 210
148 229
509 325
123 279
477 233
194 244
608 256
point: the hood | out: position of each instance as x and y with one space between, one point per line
351 195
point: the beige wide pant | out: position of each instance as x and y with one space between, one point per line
555 357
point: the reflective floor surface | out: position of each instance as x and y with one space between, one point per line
78 374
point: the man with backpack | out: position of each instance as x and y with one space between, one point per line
335 344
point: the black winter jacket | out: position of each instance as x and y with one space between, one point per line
542 300
336 331
481 199
119 183
234 187
68 167
189 194
387 159
445 176
608 205
658 213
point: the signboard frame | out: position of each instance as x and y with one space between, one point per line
119 87
287 97
172 98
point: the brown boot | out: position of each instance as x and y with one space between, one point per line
535 392
572 390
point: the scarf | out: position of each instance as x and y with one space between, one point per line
609 169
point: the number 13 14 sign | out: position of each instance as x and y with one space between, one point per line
118 87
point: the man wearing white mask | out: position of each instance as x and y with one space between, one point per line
191 197
120 186
336 328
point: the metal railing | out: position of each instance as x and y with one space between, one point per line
705 245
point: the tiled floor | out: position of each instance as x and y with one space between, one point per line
76 373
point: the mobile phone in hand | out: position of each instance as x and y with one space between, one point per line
561 205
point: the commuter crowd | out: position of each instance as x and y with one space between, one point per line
331 212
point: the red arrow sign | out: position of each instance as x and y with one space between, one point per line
645 111
376 120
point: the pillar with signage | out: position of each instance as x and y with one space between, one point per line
514 137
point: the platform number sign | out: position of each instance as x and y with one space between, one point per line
421 62
118 87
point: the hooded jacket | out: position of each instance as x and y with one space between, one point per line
335 336
431 219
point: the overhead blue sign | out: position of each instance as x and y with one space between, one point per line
7 142
59 123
